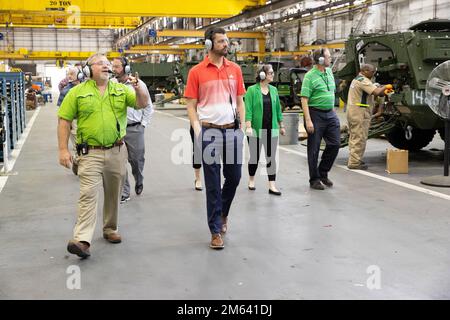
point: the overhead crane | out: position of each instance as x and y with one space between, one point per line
148 47
302 50
259 36
19 20
158 51
117 8
24 54
175 49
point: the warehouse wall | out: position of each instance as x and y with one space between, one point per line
396 15
52 39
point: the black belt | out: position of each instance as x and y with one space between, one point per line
133 124
321 110
217 126
116 144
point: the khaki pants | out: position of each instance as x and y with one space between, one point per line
358 126
99 167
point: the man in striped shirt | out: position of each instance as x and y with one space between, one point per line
320 119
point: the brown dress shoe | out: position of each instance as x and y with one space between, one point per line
216 241
113 237
80 248
224 225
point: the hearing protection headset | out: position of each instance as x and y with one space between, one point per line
86 69
80 74
319 57
262 74
126 66
209 43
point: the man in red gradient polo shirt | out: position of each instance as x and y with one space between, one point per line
215 105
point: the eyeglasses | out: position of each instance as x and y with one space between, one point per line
270 72
102 63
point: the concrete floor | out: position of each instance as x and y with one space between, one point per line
303 245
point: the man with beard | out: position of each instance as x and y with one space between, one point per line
215 105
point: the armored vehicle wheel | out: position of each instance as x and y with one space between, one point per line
420 138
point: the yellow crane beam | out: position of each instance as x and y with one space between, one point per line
64 21
168 47
201 34
24 54
259 36
153 8
336 45
175 52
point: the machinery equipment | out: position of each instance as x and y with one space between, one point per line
404 59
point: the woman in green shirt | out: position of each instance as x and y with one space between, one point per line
264 121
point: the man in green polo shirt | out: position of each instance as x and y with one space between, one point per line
100 107
320 119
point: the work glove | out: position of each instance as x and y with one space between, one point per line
389 92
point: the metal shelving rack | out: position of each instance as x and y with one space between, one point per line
12 113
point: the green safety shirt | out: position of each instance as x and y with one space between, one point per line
97 116
319 88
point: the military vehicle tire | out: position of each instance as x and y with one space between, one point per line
420 138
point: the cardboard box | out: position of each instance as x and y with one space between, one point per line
396 161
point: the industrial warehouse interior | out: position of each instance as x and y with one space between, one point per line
225 150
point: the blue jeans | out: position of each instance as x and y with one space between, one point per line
217 144
326 126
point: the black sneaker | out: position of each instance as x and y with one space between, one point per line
124 199
139 189
317 185
326 182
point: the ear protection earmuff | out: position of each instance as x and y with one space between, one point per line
320 59
209 44
80 75
86 69
262 75
126 66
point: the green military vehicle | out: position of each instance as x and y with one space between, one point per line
404 59
159 77
172 77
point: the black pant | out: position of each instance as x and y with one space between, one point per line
326 126
196 151
270 147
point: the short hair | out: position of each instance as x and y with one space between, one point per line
72 72
317 53
367 67
95 55
211 31
123 60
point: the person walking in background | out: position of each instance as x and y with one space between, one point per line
137 121
321 121
264 121
196 161
72 80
